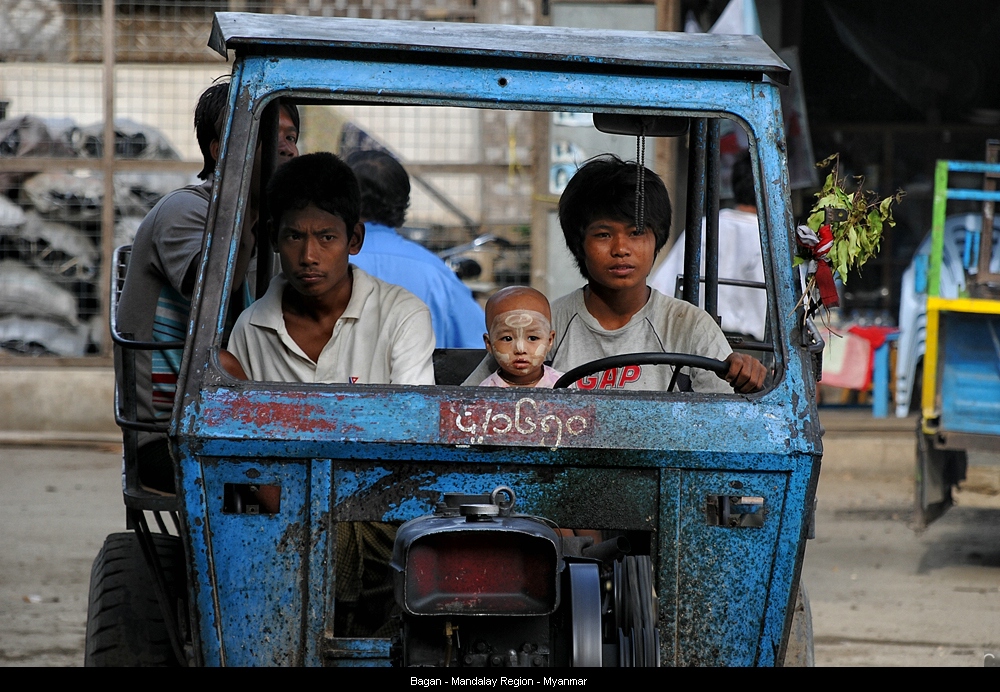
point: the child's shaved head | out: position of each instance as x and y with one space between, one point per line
516 298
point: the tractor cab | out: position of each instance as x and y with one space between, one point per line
701 502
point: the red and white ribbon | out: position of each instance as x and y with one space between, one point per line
818 246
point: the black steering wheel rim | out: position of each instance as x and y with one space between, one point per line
683 360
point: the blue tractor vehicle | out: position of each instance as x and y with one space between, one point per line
705 499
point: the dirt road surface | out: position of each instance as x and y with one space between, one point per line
56 507
882 595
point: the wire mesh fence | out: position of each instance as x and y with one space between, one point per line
469 168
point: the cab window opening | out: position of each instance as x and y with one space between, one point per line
390 180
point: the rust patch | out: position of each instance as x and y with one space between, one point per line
292 539
298 416
405 481
524 422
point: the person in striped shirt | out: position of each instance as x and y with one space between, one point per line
155 302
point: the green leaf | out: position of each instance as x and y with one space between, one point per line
853 248
875 223
865 243
830 200
815 220
840 261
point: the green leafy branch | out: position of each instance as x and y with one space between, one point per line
858 232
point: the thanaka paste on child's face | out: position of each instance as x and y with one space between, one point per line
520 340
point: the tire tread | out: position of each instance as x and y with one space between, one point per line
125 627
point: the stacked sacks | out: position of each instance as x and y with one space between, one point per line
50 229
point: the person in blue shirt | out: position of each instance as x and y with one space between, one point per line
385 195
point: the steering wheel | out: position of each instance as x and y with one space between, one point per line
682 360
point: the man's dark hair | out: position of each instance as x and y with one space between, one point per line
293 112
604 188
385 187
321 179
743 180
209 117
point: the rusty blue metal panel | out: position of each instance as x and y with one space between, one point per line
319 609
612 498
714 580
666 545
303 412
724 591
786 570
357 653
262 583
723 573
206 632
261 564
510 87
304 422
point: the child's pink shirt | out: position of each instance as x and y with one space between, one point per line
549 378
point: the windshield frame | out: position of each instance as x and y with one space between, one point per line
258 80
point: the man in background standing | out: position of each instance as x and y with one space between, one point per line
743 310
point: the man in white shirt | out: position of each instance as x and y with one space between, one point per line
743 310
322 319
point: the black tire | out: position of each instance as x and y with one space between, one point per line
125 626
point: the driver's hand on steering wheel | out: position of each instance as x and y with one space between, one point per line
746 373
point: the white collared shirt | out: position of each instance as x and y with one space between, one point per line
383 337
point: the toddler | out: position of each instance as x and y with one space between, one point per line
519 338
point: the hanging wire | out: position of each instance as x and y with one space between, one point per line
640 181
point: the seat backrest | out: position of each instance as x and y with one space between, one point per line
453 365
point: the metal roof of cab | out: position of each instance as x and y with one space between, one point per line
745 58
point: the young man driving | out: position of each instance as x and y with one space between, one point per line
617 313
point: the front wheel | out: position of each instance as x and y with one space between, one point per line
125 626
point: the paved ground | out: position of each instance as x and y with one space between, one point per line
56 507
881 594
